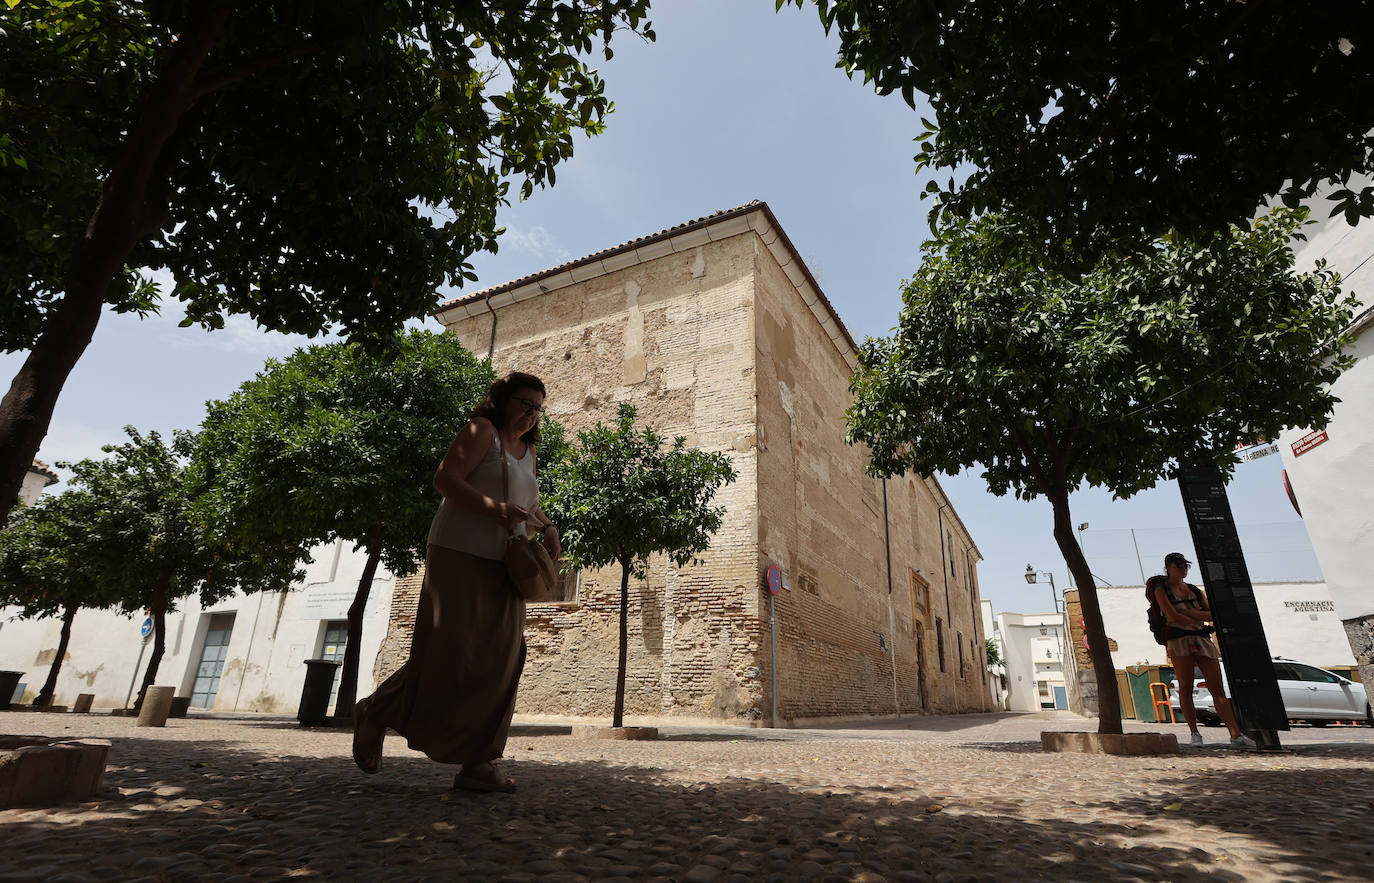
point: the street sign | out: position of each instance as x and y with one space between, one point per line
147 628
774 579
1309 441
1221 563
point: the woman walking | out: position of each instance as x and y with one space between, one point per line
1190 646
454 697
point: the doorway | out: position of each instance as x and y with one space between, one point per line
335 644
212 656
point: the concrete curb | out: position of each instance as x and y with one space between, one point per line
1109 743
635 734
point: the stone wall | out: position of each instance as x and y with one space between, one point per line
1360 632
673 336
821 519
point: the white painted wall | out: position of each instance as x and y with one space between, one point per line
1034 661
1300 622
34 483
997 673
273 634
1334 482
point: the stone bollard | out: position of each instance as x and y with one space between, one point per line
156 704
83 703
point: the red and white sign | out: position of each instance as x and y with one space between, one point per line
1308 442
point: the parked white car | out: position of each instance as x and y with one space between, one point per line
1309 694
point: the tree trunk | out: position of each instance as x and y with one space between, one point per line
123 217
159 635
1108 701
348 678
618 719
50 685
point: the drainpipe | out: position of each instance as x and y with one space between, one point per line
944 565
491 344
891 614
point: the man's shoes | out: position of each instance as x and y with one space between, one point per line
1243 741
1195 740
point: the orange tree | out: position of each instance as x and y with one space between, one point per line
620 497
313 164
1156 357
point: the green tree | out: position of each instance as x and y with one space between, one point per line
335 443
154 547
620 497
1161 357
993 651
313 165
1124 119
50 561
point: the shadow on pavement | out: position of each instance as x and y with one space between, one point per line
1315 816
187 809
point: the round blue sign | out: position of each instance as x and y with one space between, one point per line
774 579
147 628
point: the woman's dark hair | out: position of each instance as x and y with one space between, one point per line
493 407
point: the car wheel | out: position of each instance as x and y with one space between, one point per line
1368 715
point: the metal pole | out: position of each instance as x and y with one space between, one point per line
137 665
773 655
1137 557
1054 593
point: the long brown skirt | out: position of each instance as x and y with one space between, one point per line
454 697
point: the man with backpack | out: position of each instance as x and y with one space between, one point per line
1179 617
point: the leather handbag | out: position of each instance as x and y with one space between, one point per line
528 564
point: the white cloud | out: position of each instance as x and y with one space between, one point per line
240 334
535 241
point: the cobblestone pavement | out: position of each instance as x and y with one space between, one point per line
950 798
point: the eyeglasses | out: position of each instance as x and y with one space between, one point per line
529 405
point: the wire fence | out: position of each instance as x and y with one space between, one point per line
1274 552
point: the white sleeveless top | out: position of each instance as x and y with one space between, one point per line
456 528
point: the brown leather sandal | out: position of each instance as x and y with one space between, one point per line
497 783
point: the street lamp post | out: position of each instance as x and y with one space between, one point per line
1032 576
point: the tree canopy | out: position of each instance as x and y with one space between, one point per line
51 556
1111 120
1164 356
621 497
154 546
336 443
313 165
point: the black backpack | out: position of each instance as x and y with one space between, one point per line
1159 626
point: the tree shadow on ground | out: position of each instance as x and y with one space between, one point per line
1316 817
189 809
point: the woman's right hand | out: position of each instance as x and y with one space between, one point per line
512 516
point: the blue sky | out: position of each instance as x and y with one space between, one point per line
733 102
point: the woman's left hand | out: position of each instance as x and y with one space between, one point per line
551 543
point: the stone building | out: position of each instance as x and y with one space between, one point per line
717 331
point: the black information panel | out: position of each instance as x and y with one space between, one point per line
1244 649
